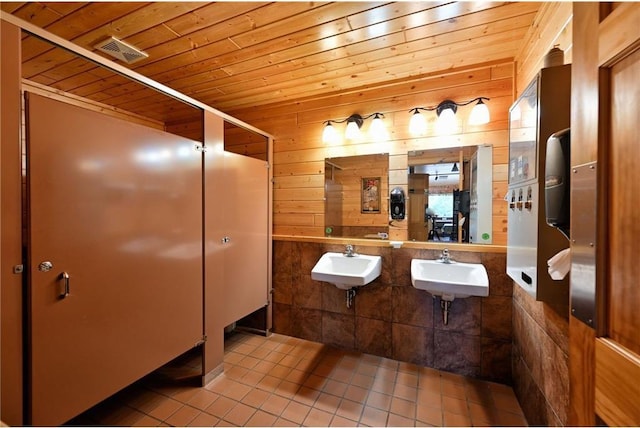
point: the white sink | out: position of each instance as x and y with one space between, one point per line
450 280
347 272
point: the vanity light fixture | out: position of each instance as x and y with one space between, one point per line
446 112
352 132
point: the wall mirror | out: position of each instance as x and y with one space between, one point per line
356 190
450 195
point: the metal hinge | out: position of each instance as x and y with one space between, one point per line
200 148
201 341
267 165
18 269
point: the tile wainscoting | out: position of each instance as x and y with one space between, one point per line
392 319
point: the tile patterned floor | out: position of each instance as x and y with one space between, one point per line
285 381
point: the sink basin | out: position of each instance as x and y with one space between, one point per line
450 280
347 272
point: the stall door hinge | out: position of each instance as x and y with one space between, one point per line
201 148
201 341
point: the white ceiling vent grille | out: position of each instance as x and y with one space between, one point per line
121 50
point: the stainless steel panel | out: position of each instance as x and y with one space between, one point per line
118 207
583 242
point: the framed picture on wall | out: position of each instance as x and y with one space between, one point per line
370 195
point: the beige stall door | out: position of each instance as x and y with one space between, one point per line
115 255
617 351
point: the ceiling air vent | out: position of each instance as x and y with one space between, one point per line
121 50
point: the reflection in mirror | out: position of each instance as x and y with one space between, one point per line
356 192
444 188
245 142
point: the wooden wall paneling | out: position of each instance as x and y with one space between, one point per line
11 284
617 390
554 17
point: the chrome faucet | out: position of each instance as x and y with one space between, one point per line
444 257
349 251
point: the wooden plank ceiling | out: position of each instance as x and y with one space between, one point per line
233 55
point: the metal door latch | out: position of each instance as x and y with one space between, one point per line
45 266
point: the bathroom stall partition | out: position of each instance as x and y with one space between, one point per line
117 252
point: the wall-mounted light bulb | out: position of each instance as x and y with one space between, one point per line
377 130
329 134
353 131
479 114
446 123
418 123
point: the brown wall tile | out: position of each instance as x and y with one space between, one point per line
412 344
281 318
306 323
373 337
335 300
495 361
307 293
464 316
412 306
496 317
374 301
456 352
338 330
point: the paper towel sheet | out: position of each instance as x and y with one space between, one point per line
559 265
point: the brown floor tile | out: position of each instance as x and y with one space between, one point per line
327 402
255 398
306 396
261 419
275 405
235 372
454 390
335 388
281 422
296 412
239 414
236 391
379 401
408 379
280 371
315 382
455 405
339 421
252 378
287 389
406 392
220 407
429 415
456 420
183 416
203 420
403 408
374 417
268 383
362 380
399 421
165 409
350 409
202 399
264 367
146 421
318 418
511 419
507 402
356 393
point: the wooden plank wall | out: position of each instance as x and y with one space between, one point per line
553 26
299 152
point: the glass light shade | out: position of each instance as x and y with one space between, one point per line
377 130
329 134
353 131
418 124
479 114
446 123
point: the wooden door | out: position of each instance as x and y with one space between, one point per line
617 349
115 255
